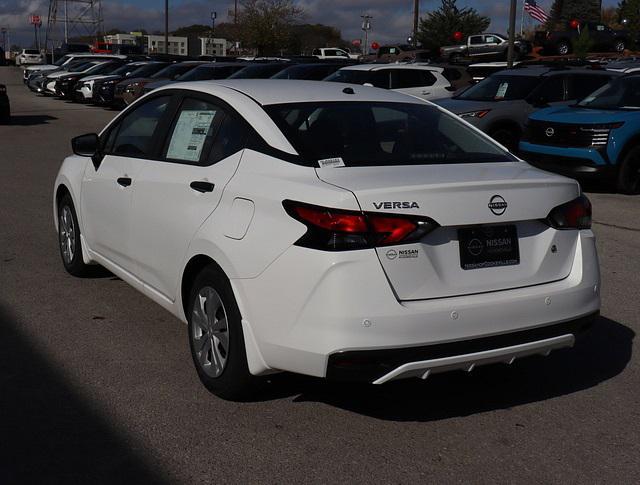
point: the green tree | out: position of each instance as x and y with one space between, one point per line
563 11
629 11
582 44
437 27
265 25
304 38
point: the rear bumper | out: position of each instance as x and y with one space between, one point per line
308 310
380 366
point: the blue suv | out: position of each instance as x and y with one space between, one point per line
597 138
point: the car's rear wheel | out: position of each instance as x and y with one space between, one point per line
629 173
563 47
216 338
69 238
620 46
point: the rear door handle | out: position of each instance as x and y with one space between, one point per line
200 186
124 181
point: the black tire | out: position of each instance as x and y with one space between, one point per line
69 239
506 136
232 380
629 173
620 46
563 48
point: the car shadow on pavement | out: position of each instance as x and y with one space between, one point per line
598 356
30 120
49 433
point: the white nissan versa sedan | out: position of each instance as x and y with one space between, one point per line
332 230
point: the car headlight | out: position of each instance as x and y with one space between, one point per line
475 114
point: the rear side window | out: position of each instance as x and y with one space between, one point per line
368 133
193 131
411 78
134 135
553 89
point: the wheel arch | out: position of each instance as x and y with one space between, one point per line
629 145
197 262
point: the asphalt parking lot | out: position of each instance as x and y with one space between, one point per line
97 385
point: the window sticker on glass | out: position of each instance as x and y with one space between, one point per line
502 90
190 134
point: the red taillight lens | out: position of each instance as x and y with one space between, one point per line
575 214
339 230
391 230
332 219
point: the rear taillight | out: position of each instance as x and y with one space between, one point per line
575 214
342 230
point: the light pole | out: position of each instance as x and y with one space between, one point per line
512 33
214 15
166 26
416 15
366 26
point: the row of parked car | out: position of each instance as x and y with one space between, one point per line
119 80
579 120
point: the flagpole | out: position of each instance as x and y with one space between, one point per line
522 21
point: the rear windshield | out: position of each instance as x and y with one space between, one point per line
173 71
204 73
262 71
367 133
501 88
31 51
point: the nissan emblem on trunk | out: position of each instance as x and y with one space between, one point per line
497 205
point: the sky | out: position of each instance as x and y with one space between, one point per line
392 19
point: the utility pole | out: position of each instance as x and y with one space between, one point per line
166 26
512 32
366 26
416 16
213 28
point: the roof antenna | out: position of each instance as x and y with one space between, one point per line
348 91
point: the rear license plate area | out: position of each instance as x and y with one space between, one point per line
488 246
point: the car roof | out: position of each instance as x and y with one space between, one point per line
377 67
288 91
536 71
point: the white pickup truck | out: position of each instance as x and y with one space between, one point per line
333 53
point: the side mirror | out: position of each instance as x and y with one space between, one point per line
88 146
85 145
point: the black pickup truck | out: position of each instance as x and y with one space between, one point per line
603 39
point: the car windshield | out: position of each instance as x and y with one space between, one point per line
147 69
83 66
501 88
261 71
124 69
350 76
173 71
369 133
204 73
623 93
61 61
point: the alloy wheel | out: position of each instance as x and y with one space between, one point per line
210 332
67 234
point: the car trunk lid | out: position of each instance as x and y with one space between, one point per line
485 201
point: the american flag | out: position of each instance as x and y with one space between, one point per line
531 7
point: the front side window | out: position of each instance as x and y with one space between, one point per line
501 87
134 135
475 40
368 133
553 89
